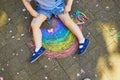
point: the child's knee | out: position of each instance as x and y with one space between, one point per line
35 24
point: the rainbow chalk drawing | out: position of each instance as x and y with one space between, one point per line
58 41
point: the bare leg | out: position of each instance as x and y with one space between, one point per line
83 43
37 35
65 18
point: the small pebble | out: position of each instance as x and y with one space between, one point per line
113 28
18 73
7 64
55 69
13 37
97 5
45 66
17 54
77 1
74 57
119 12
9 19
78 74
26 17
87 79
46 77
22 35
107 7
89 33
95 75
24 10
49 58
13 54
21 50
2 69
10 31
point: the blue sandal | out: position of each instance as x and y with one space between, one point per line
37 54
85 45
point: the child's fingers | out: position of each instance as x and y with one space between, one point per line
65 11
36 15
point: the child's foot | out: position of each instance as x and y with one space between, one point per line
37 54
83 46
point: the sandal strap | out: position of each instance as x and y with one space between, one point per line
81 44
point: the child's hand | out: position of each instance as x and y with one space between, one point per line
34 13
67 9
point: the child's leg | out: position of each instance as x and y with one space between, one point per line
83 43
65 18
37 35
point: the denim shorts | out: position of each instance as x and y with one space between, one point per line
49 13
